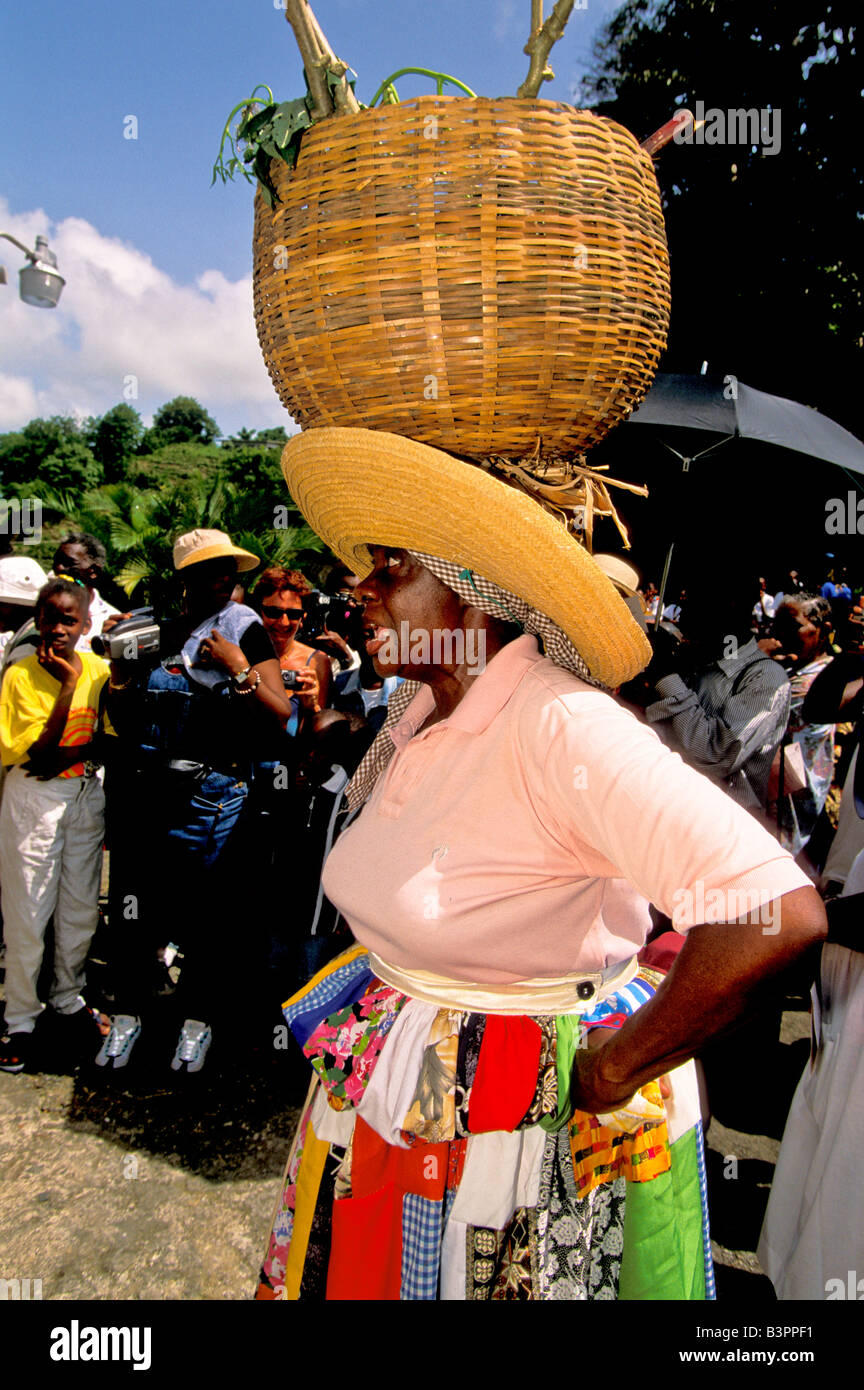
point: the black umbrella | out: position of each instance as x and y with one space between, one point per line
727 407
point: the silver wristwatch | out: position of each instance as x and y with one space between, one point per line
240 677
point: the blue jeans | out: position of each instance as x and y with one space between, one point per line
202 819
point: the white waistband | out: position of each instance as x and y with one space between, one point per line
561 994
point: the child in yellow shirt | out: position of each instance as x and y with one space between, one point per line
52 819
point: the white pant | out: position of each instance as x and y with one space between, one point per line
51 837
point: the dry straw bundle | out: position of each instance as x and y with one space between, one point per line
472 273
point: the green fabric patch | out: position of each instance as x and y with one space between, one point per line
568 1028
664 1255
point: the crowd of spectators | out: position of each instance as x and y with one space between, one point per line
209 753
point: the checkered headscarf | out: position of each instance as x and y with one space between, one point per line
498 603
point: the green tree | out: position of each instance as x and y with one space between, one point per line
241 439
114 438
256 470
14 450
764 246
71 465
181 421
49 454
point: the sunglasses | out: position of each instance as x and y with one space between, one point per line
293 615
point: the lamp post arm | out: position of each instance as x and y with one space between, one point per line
31 255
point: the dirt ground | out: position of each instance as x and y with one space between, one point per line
145 1185
154 1188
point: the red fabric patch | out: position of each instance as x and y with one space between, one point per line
375 1164
366 1247
662 952
506 1077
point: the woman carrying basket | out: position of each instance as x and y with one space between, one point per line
503 1102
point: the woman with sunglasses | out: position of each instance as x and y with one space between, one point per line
278 597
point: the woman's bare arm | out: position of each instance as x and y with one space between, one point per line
722 971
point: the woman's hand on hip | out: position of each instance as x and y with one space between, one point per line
589 1091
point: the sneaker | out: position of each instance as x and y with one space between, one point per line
15 1051
116 1049
195 1039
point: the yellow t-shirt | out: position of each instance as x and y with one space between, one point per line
27 699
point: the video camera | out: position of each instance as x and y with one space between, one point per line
135 638
341 615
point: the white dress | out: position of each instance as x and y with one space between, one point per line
813 1237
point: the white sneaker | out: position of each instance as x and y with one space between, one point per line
195 1039
117 1047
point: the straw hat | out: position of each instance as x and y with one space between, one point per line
200 545
359 487
20 580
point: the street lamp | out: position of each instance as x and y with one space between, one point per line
40 282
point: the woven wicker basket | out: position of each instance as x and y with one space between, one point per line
471 273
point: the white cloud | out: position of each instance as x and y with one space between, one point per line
503 25
121 317
19 401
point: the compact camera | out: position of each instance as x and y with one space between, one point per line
290 681
134 638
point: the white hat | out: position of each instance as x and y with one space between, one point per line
20 580
624 576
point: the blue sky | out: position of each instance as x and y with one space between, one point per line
157 262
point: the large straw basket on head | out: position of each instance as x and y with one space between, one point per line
470 273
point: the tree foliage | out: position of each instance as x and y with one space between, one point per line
181 421
114 438
48 453
89 477
255 469
139 525
765 248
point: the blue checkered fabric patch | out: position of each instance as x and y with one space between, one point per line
421 1248
337 989
710 1286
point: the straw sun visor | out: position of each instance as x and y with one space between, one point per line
358 487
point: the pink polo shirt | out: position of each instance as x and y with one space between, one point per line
524 835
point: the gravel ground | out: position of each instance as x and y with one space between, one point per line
150 1189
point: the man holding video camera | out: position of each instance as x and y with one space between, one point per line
195 717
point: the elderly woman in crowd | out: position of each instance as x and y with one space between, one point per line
507 1095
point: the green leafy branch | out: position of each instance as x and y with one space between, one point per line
236 162
275 130
389 96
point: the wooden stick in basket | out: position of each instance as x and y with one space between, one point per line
539 46
318 57
654 144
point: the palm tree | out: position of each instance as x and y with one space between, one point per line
137 527
242 439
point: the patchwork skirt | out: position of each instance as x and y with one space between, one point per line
438 1157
